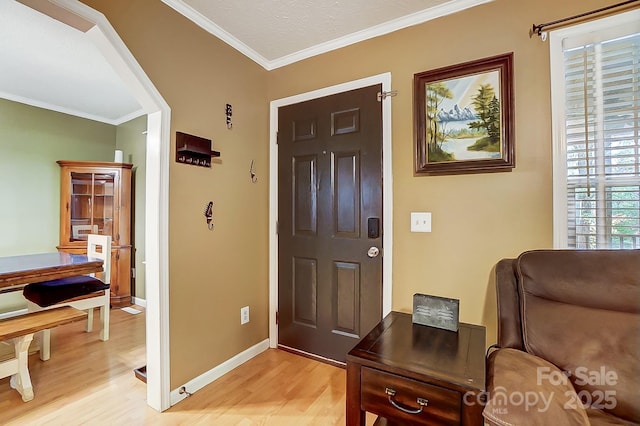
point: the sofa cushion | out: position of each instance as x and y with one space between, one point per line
49 293
602 418
516 396
581 311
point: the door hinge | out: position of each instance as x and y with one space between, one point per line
133 273
277 228
384 95
277 317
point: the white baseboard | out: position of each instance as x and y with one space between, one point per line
139 302
204 379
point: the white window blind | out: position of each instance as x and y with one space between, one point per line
602 143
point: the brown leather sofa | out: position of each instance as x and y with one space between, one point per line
568 339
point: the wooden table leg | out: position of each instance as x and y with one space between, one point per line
355 416
472 409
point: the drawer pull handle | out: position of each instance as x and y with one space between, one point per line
421 402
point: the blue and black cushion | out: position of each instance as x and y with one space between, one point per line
49 293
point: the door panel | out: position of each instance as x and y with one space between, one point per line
346 281
305 203
305 290
346 194
329 185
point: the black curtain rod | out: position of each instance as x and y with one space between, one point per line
537 29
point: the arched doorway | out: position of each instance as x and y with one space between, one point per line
105 38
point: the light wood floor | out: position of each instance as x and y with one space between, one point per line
88 381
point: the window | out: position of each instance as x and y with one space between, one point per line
595 73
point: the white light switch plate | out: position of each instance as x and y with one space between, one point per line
420 222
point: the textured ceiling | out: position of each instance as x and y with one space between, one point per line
276 33
279 28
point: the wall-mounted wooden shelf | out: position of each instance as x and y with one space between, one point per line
194 150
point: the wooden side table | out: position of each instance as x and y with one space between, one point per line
418 375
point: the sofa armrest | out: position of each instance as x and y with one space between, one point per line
509 323
525 389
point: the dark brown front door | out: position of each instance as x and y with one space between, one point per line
330 216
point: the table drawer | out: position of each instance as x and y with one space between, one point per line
407 400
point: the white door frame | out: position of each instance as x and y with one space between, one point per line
157 197
387 190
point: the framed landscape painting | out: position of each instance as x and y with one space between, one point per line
463 118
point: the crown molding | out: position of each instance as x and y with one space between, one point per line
378 30
388 27
206 24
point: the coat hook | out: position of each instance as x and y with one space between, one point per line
228 112
252 172
208 214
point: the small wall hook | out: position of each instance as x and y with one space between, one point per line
208 214
228 109
252 172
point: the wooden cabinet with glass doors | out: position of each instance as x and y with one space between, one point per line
95 198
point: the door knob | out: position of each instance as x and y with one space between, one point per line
373 251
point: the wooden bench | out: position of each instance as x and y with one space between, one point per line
20 330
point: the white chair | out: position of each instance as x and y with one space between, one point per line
83 292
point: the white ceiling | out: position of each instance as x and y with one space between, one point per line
275 33
48 64
51 65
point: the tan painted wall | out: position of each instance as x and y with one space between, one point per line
477 219
212 274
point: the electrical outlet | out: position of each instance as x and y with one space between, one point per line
244 315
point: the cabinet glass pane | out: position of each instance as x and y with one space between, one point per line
92 204
81 194
103 208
